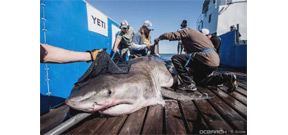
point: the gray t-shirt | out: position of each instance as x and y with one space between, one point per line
138 41
126 38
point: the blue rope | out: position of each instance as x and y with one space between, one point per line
206 50
113 56
188 59
127 57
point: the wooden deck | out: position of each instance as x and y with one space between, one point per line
225 113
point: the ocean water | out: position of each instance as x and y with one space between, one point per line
167 56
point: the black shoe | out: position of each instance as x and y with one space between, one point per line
231 82
191 87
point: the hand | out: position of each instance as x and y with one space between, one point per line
95 52
156 40
115 50
148 45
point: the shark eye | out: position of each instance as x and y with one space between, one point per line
109 92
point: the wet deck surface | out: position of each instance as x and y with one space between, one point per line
225 113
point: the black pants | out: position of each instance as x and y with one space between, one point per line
201 75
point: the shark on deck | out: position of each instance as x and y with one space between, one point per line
119 94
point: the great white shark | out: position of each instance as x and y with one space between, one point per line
118 94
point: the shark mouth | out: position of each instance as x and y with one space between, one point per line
110 107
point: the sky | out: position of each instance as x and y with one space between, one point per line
165 15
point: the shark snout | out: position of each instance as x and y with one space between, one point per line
83 106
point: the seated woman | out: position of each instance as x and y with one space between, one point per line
142 38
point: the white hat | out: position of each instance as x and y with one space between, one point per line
148 24
124 24
205 31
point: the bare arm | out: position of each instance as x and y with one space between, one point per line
115 46
136 43
140 47
52 54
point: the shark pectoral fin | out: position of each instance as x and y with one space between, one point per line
184 96
207 96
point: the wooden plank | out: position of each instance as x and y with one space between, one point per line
134 122
232 102
154 120
236 95
239 97
53 118
224 88
173 120
211 117
193 117
89 125
244 86
242 91
241 80
112 125
232 117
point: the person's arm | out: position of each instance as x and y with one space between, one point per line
116 43
52 54
140 47
172 36
136 43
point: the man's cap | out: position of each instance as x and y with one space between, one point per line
123 24
148 25
205 31
184 21
232 26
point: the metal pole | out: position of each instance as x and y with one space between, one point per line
68 124
237 34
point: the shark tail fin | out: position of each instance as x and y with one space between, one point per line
183 96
